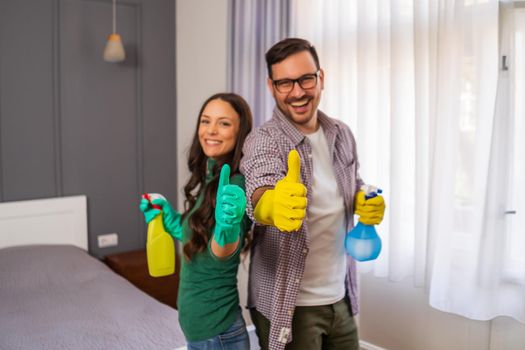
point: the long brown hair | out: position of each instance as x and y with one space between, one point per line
202 220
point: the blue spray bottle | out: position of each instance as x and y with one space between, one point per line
363 242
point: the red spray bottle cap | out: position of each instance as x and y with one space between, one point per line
148 198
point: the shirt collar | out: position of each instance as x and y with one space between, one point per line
210 163
330 128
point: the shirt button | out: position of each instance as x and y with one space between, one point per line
283 336
309 155
290 312
297 280
305 251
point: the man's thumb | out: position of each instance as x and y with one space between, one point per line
294 167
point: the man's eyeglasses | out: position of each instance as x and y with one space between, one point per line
306 82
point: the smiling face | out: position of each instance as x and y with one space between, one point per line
299 105
218 129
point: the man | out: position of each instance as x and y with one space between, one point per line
302 285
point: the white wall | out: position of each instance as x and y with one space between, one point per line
202 44
396 316
201 68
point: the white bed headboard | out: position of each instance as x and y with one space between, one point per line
61 220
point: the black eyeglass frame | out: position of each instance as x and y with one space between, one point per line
298 81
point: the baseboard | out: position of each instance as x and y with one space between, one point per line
368 346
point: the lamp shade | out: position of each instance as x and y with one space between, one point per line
114 51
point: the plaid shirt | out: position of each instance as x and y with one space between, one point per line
278 258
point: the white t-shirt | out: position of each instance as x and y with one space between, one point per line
323 282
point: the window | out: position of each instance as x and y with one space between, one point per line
514 66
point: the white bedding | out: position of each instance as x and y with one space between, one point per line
59 297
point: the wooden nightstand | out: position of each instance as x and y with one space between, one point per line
133 267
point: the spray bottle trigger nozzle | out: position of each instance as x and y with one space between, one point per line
371 191
148 198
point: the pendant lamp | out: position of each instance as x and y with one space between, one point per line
114 51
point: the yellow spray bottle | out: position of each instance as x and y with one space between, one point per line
160 249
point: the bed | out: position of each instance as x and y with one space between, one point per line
54 295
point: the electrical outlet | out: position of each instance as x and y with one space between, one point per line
108 240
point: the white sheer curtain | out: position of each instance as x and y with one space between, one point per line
255 25
417 81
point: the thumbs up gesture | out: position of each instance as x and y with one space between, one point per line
229 209
285 206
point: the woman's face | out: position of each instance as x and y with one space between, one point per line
218 129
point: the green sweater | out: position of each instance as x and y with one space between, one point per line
208 299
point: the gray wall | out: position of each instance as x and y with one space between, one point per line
71 123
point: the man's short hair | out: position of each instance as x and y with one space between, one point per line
287 47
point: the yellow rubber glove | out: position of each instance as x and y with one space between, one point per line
285 206
371 210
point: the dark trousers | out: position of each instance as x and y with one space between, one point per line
326 327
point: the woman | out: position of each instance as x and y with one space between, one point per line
212 227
